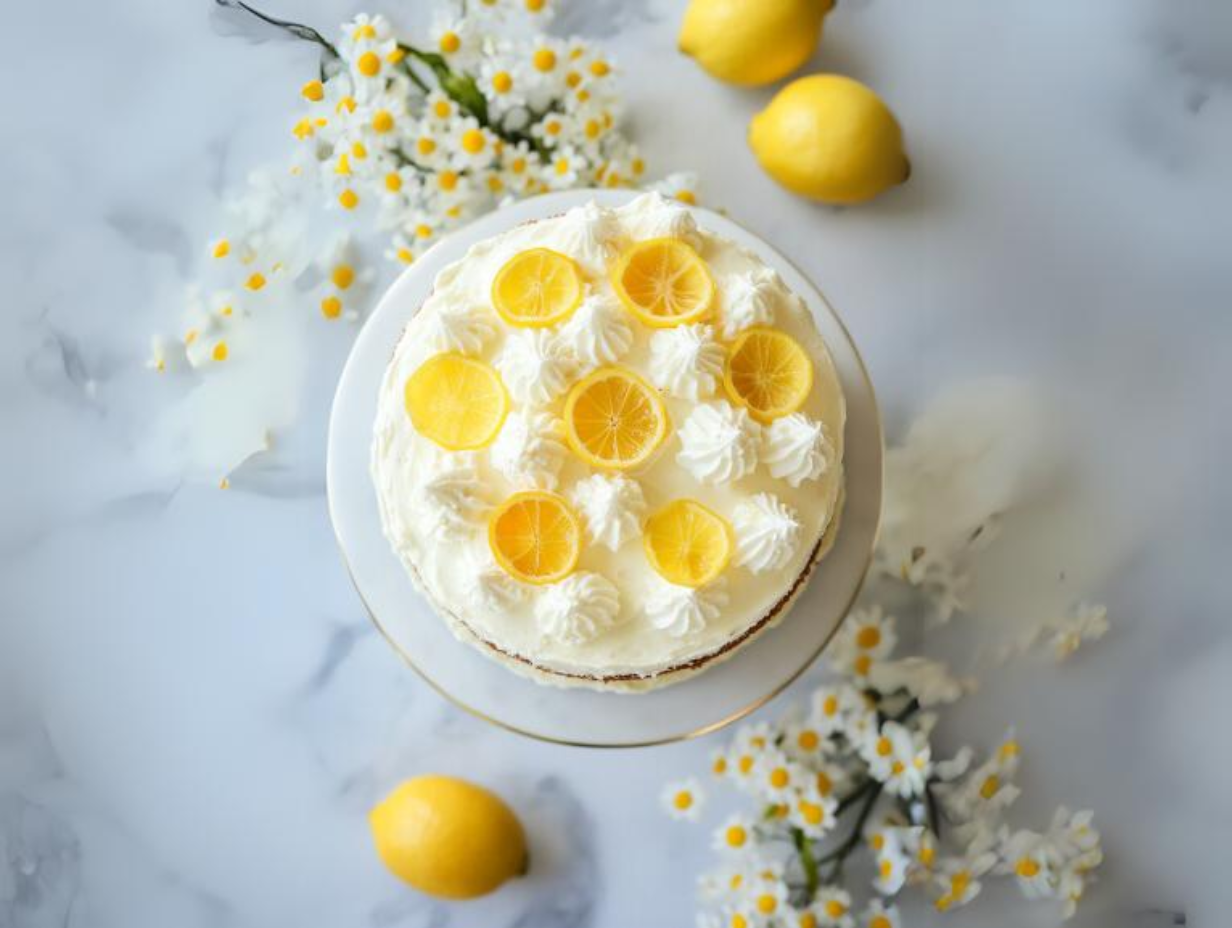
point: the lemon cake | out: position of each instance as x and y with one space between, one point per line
608 448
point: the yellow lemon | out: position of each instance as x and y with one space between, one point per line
535 537
752 42
448 838
687 543
456 401
614 419
831 139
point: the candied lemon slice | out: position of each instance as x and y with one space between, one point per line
537 288
614 419
687 543
456 401
663 282
768 373
535 537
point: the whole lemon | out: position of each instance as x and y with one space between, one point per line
751 42
830 138
448 838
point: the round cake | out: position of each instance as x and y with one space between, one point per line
608 448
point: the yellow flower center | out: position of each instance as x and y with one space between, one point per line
959 883
812 813
735 836
1026 868
343 166
395 55
766 904
808 740
331 307
835 909
884 747
552 127
687 196
583 94
405 256
534 6
450 43
745 764
990 787
877 841
369 64
382 121
393 181
346 103
599 68
495 184
868 637
255 282
683 800
927 854
737 920
572 79
473 141
879 921
779 778
736 881
807 920
363 31
425 146
442 109
502 82
863 662
222 248
886 869
897 768
190 336
423 231
719 767
314 91
562 166
544 60
592 128
1008 750
220 351
638 166
830 706
448 180
343 276
348 199
758 742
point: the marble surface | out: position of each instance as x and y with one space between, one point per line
194 710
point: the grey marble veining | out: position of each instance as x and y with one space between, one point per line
194 712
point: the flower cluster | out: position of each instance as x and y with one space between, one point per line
856 770
405 137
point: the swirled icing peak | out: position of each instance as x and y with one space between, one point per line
597 333
534 366
767 532
653 215
590 233
796 448
493 587
452 501
578 608
453 328
749 299
719 443
682 610
686 361
529 450
613 508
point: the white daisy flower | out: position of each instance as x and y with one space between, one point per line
767 896
683 799
900 757
832 906
1030 858
880 915
866 636
735 835
813 813
958 878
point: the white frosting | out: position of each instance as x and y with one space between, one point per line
529 450
452 502
613 508
796 448
590 235
578 608
652 215
719 443
681 611
749 299
767 533
534 366
434 504
466 329
493 588
598 332
686 361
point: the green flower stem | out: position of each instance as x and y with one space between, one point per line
812 876
839 854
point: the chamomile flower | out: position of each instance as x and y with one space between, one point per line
683 186
880 915
458 40
1030 858
829 706
894 858
900 757
813 813
500 80
833 908
985 791
401 249
735 835
440 111
929 682
803 741
958 878
866 636
778 779
472 145
728 882
719 764
683 799
767 896
363 33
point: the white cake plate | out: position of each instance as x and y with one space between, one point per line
694 707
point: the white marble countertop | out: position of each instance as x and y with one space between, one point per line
194 710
